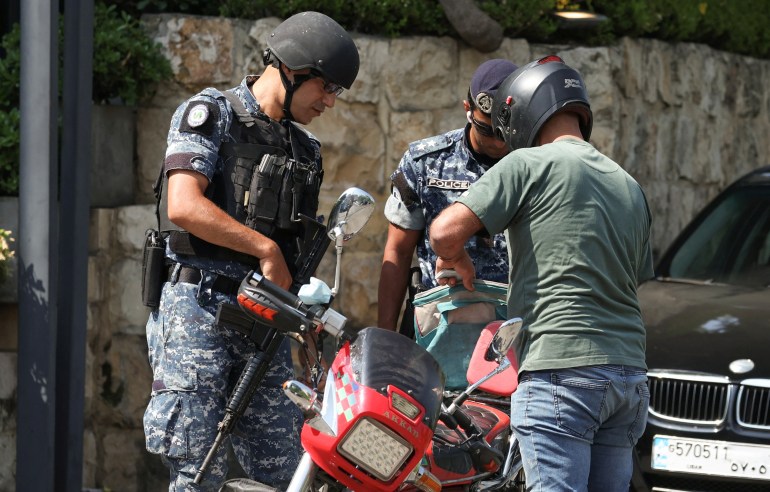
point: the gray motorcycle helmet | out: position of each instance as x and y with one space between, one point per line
316 41
532 94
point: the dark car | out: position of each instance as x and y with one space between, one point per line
707 314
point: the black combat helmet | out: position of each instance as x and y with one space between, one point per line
534 93
315 41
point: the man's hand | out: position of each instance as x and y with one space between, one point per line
274 268
448 234
463 267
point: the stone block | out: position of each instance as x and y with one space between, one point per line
95 279
125 382
122 460
419 72
199 48
8 461
101 231
112 158
132 224
8 375
9 326
126 311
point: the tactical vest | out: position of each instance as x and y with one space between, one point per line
269 177
265 187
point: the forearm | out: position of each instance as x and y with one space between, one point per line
394 279
448 234
394 274
451 230
212 224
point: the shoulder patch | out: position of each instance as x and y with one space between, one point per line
408 195
200 117
427 146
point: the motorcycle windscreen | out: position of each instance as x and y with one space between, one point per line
382 357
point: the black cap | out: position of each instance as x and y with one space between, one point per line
485 81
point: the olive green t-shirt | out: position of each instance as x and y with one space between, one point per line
578 229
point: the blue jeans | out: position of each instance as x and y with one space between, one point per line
577 427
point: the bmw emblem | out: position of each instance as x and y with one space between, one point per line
741 366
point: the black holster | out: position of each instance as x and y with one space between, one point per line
153 268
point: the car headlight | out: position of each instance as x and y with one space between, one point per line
375 448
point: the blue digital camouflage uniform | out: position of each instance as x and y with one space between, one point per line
432 174
196 363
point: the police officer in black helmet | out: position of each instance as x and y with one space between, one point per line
578 231
240 171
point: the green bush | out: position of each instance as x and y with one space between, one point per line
126 66
9 113
127 63
731 25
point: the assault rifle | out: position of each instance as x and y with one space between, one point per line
266 338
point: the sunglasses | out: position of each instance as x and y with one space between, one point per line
481 127
329 87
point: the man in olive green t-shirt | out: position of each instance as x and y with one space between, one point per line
577 227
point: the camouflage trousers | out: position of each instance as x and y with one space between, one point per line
195 366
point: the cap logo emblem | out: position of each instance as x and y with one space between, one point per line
572 83
197 115
484 102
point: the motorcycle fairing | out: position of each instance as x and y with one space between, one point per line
362 379
382 357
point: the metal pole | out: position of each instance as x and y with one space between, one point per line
37 263
73 243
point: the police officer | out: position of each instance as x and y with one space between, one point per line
240 172
432 174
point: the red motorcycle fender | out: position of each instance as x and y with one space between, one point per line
502 384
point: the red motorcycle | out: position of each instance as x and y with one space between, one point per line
473 448
370 428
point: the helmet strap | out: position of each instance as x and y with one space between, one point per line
290 87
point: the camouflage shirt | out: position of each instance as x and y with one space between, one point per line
198 128
432 174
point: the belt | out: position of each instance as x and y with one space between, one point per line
189 275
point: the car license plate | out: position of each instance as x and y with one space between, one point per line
703 457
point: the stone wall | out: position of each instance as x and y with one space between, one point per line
683 119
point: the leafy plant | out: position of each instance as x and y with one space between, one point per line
9 113
127 64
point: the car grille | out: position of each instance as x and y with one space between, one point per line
703 399
753 407
689 398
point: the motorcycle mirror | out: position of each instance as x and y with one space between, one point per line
504 338
349 215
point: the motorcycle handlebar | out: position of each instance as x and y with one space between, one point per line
293 314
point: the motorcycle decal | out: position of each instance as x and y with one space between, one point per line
346 395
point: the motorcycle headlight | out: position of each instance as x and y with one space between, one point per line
375 448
